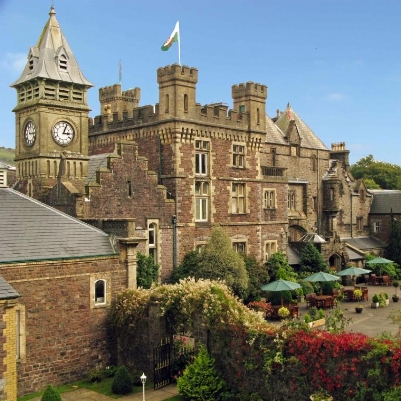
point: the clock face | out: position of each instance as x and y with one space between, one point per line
63 133
29 133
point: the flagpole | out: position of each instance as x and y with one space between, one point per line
179 45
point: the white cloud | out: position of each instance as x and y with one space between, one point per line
338 97
14 62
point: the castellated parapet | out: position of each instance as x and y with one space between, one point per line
177 72
114 100
249 89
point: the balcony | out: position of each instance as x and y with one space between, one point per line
274 173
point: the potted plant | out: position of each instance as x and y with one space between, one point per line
395 295
283 312
359 308
375 301
358 294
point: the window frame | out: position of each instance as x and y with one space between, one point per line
269 249
269 198
202 151
238 159
237 245
95 296
202 200
238 200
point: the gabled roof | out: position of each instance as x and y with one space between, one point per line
33 231
274 133
43 59
96 162
385 201
290 119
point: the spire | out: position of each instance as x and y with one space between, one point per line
52 57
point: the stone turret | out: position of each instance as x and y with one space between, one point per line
177 91
114 100
251 98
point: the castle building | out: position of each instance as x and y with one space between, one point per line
157 179
176 169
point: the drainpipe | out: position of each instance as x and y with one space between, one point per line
351 214
174 221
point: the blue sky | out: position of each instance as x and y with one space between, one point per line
338 62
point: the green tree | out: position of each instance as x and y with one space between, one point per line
393 251
147 271
312 260
218 261
122 381
278 268
201 381
386 175
187 268
257 273
51 394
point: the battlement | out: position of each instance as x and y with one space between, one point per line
177 72
109 93
249 89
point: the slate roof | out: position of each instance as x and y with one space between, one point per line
364 243
7 291
95 163
33 231
51 45
384 201
293 257
308 137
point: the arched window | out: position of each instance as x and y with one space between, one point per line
100 292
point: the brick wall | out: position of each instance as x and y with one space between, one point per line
65 336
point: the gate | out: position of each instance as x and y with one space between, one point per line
162 362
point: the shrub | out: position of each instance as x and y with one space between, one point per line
283 312
307 318
51 394
96 373
375 299
201 381
110 371
122 382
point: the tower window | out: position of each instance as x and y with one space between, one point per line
186 103
62 63
167 109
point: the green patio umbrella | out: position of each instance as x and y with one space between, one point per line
353 271
379 261
280 285
321 277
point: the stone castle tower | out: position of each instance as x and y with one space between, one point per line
51 115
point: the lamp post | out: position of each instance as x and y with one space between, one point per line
143 380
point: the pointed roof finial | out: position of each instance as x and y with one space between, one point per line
52 11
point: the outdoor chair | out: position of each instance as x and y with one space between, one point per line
386 281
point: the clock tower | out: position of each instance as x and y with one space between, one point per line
51 116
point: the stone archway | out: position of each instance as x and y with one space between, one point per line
335 260
295 233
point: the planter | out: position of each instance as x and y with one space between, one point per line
395 298
358 309
374 305
319 397
317 323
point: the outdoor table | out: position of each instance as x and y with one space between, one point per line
321 301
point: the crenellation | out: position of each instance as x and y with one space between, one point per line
249 89
177 72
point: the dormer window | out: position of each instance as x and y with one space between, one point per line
30 62
62 63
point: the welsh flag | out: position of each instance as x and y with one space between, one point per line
174 37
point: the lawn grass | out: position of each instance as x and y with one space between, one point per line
102 387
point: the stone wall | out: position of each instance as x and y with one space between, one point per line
65 333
